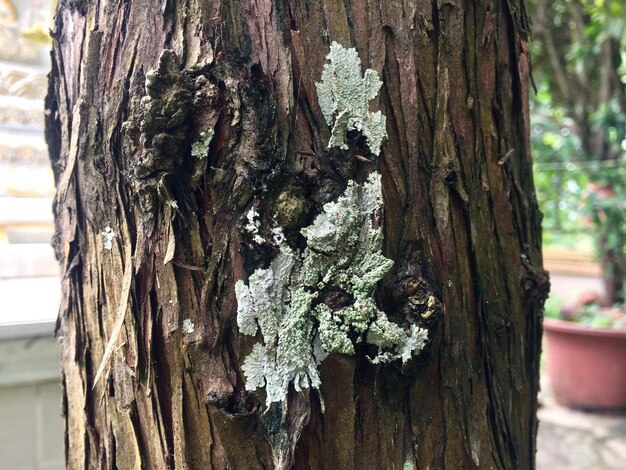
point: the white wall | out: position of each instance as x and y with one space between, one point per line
31 428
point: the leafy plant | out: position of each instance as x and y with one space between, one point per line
599 317
592 315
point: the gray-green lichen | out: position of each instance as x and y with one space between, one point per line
273 302
188 326
200 148
344 94
288 301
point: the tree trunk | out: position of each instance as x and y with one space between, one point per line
182 132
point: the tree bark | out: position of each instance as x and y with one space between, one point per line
152 239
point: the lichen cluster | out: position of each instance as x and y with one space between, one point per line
200 148
344 252
253 225
310 303
344 94
286 301
274 302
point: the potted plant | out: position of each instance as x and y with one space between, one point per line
586 354
586 340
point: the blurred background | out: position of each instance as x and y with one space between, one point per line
578 134
578 139
31 430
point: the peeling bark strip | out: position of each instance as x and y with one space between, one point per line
182 132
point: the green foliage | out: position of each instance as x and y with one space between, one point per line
592 315
598 317
579 121
606 204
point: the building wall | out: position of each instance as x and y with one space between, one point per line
31 428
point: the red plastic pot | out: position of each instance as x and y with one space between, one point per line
586 366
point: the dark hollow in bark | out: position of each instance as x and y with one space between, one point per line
460 222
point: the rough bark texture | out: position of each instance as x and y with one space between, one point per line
460 221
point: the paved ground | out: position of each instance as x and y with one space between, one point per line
573 440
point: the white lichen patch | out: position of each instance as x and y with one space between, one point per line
188 326
298 327
253 226
281 311
200 148
344 94
404 347
107 238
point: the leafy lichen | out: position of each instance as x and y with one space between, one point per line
321 300
344 94
200 148
285 302
188 326
280 309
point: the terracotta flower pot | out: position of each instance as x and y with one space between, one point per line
586 366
